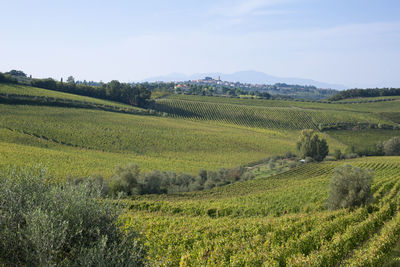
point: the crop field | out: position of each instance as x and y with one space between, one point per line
276 221
264 117
364 105
40 134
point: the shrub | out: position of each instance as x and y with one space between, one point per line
125 180
338 154
350 187
44 224
392 146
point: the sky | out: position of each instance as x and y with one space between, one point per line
351 42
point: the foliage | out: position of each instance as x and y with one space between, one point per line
125 180
6 78
136 95
130 181
309 145
44 224
338 154
16 73
354 93
392 146
350 187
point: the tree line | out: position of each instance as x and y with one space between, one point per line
354 93
127 93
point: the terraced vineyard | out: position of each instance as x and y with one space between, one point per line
246 225
264 117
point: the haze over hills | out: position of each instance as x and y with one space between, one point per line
254 77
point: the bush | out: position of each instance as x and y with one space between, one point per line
44 224
350 187
125 180
392 146
338 154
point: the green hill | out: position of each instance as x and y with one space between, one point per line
22 94
196 133
276 221
152 142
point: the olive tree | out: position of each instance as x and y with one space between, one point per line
350 187
392 146
47 224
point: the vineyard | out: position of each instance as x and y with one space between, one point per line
42 134
276 219
363 139
294 118
370 105
271 222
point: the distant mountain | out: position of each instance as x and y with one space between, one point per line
254 77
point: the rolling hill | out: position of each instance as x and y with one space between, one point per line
278 220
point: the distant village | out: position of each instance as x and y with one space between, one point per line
217 82
281 89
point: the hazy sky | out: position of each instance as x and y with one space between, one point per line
351 42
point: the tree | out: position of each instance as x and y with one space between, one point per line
18 73
392 146
338 154
125 180
71 80
350 187
309 145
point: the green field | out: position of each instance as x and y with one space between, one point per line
152 142
243 224
271 114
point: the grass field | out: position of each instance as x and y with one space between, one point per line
243 224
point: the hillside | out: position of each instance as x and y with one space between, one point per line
246 224
278 218
22 94
194 132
